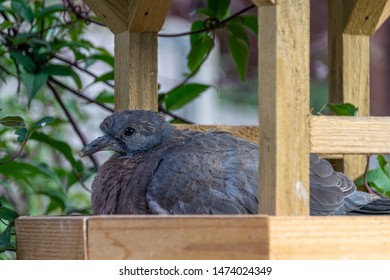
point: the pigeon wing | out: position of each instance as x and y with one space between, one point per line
206 173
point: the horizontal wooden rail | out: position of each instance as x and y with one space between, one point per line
203 237
329 135
350 135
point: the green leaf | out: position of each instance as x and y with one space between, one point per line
240 53
343 109
384 165
57 70
5 239
109 76
23 60
43 122
60 146
237 30
205 11
182 95
33 83
199 53
251 22
12 121
105 97
57 199
23 10
22 171
219 8
50 10
105 57
22 134
7 214
196 37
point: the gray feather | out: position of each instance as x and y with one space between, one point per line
161 170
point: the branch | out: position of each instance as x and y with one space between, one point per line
72 121
75 64
220 24
17 154
80 94
162 109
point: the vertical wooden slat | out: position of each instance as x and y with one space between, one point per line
349 79
136 71
135 24
284 107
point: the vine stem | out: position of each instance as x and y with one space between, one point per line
222 23
80 94
73 122
75 64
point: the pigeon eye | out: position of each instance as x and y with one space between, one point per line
129 131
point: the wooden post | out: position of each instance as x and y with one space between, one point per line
350 24
284 107
135 24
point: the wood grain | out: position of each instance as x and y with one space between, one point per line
312 238
136 71
177 237
147 15
350 135
203 237
250 133
114 13
284 107
365 16
349 78
49 238
133 15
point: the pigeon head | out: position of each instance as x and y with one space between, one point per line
130 132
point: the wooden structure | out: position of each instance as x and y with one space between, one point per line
287 134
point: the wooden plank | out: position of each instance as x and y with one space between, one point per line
203 237
177 237
284 107
329 135
114 13
350 135
47 238
147 15
366 16
136 71
308 238
134 15
349 79
250 133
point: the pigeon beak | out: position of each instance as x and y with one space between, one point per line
102 143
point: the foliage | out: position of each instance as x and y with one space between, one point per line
45 66
377 178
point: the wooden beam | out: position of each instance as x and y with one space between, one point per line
180 237
350 135
250 133
309 238
133 15
349 62
135 24
284 107
147 15
114 13
51 238
136 71
203 237
330 135
365 16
